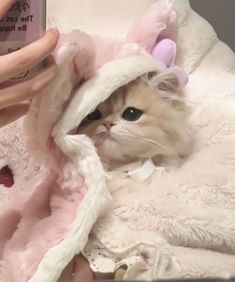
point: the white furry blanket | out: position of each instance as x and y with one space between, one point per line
185 217
185 220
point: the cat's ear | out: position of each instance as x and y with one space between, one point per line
169 87
167 83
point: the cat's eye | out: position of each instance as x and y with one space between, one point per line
96 115
132 114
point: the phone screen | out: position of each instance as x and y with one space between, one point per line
24 23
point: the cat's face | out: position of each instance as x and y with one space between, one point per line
135 123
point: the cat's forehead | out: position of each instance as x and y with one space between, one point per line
114 103
136 93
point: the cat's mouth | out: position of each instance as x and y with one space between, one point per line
100 137
106 134
103 137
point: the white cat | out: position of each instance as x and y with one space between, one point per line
145 119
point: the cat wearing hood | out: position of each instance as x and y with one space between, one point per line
146 120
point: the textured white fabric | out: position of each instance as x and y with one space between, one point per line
193 209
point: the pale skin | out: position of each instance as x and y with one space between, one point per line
79 270
14 100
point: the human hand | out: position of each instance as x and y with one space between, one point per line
14 100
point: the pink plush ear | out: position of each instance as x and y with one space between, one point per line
157 23
165 51
85 57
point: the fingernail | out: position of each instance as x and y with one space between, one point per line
55 31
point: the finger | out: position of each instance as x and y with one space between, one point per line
28 89
13 64
83 271
12 113
5 6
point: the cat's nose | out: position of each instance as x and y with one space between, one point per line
108 125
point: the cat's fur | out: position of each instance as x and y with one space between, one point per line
161 131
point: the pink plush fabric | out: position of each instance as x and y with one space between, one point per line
40 217
38 225
33 218
157 23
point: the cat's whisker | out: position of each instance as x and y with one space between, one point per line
146 139
99 130
155 143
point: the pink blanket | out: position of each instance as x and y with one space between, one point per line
44 215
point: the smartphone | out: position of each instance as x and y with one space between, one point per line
24 23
